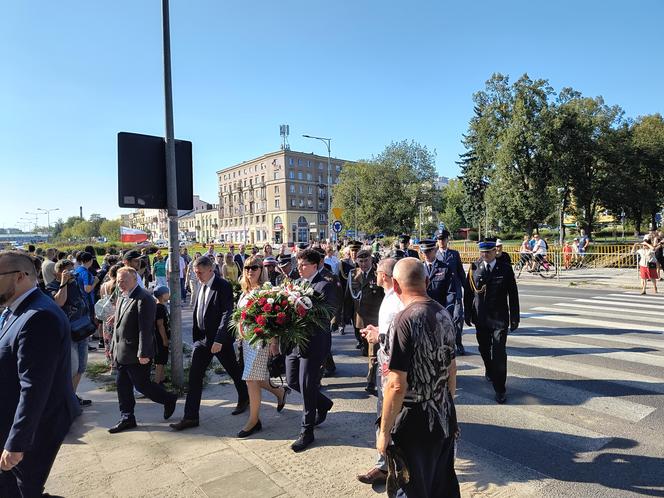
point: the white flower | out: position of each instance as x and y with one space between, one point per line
291 299
270 300
307 302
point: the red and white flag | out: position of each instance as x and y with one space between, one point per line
132 235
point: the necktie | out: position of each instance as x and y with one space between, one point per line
488 270
201 306
4 316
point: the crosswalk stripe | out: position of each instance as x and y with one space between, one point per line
620 301
582 349
641 297
544 388
583 314
596 323
591 372
614 303
610 308
553 431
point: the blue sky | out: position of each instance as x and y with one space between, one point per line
364 72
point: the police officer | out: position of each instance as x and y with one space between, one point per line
404 242
453 259
363 297
492 305
346 267
441 286
285 269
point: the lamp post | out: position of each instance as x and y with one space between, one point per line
327 142
48 217
36 215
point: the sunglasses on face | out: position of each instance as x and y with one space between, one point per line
252 267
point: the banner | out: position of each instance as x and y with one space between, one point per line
132 235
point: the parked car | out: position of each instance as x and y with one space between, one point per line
161 243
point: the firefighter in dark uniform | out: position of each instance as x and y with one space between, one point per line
346 266
285 269
492 305
363 297
441 286
404 242
453 260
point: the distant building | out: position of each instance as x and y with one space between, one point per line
278 197
440 182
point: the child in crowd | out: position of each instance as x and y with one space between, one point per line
162 334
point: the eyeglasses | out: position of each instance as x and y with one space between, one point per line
252 267
10 272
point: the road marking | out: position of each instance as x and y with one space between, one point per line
642 297
581 349
615 303
583 314
576 320
555 390
610 308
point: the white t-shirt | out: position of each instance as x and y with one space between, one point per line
645 255
540 247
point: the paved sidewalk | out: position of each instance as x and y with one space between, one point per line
209 461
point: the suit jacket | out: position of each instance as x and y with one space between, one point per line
134 327
443 288
453 260
37 402
217 314
239 261
338 297
364 310
497 306
327 285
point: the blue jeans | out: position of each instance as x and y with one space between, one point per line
381 463
79 356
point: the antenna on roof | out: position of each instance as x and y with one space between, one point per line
284 131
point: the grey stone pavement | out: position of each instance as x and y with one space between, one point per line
152 460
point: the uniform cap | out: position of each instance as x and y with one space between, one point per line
427 244
445 234
499 242
354 245
131 254
284 260
487 245
160 291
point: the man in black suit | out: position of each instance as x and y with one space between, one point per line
404 243
240 258
491 302
303 364
37 402
212 337
285 269
132 349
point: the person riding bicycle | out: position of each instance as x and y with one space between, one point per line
539 250
525 253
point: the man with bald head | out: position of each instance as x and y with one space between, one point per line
37 403
418 412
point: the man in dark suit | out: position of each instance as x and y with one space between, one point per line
285 269
303 364
404 243
212 337
492 304
453 260
37 402
240 257
441 286
132 350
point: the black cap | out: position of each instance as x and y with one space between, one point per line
354 245
405 239
427 244
131 254
302 246
445 234
284 260
397 254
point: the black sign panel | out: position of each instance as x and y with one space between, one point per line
142 172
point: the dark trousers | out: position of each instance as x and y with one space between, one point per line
183 290
200 360
429 457
459 333
373 365
138 376
492 348
28 478
303 376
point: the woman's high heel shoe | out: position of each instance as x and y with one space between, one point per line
248 433
280 406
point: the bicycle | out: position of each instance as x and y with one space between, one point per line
545 268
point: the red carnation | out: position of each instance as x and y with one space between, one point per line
262 301
267 308
281 318
243 315
284 302
301 310
277 307
258 331
249 303
261 320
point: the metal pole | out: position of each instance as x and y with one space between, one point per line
420 222
357 233
177 370
329 190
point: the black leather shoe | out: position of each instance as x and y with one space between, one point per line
460 350
371 389
84 402
305 439
329 372
123 425
248 433
169 408
501 398
241 407
280 406
358 346
322 415
183 424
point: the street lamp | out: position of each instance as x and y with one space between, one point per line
48 216
36 215
327 142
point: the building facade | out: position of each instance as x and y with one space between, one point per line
278 197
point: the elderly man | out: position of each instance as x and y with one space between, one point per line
132 350
37 403
453 259
418 414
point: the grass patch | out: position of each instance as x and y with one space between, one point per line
98 371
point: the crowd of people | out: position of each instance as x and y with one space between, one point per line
406 308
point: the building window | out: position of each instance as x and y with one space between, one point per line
292 188
321 217
308 163
310 189
291 175
276 204
310 203
338 167
276 190
292 202
299 162
276 175
299 175
320 165
290 161
308 177
302 229
301 203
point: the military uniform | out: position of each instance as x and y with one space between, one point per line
408 252
453 260
284 260
346 267
443 288
492 305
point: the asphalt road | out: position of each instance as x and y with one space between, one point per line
585 409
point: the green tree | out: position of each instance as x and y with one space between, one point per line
110 229
454 197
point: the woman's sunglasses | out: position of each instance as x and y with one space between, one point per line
252 268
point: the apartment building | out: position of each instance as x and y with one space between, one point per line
278 197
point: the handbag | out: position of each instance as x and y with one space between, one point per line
105 307
276 367
82 328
